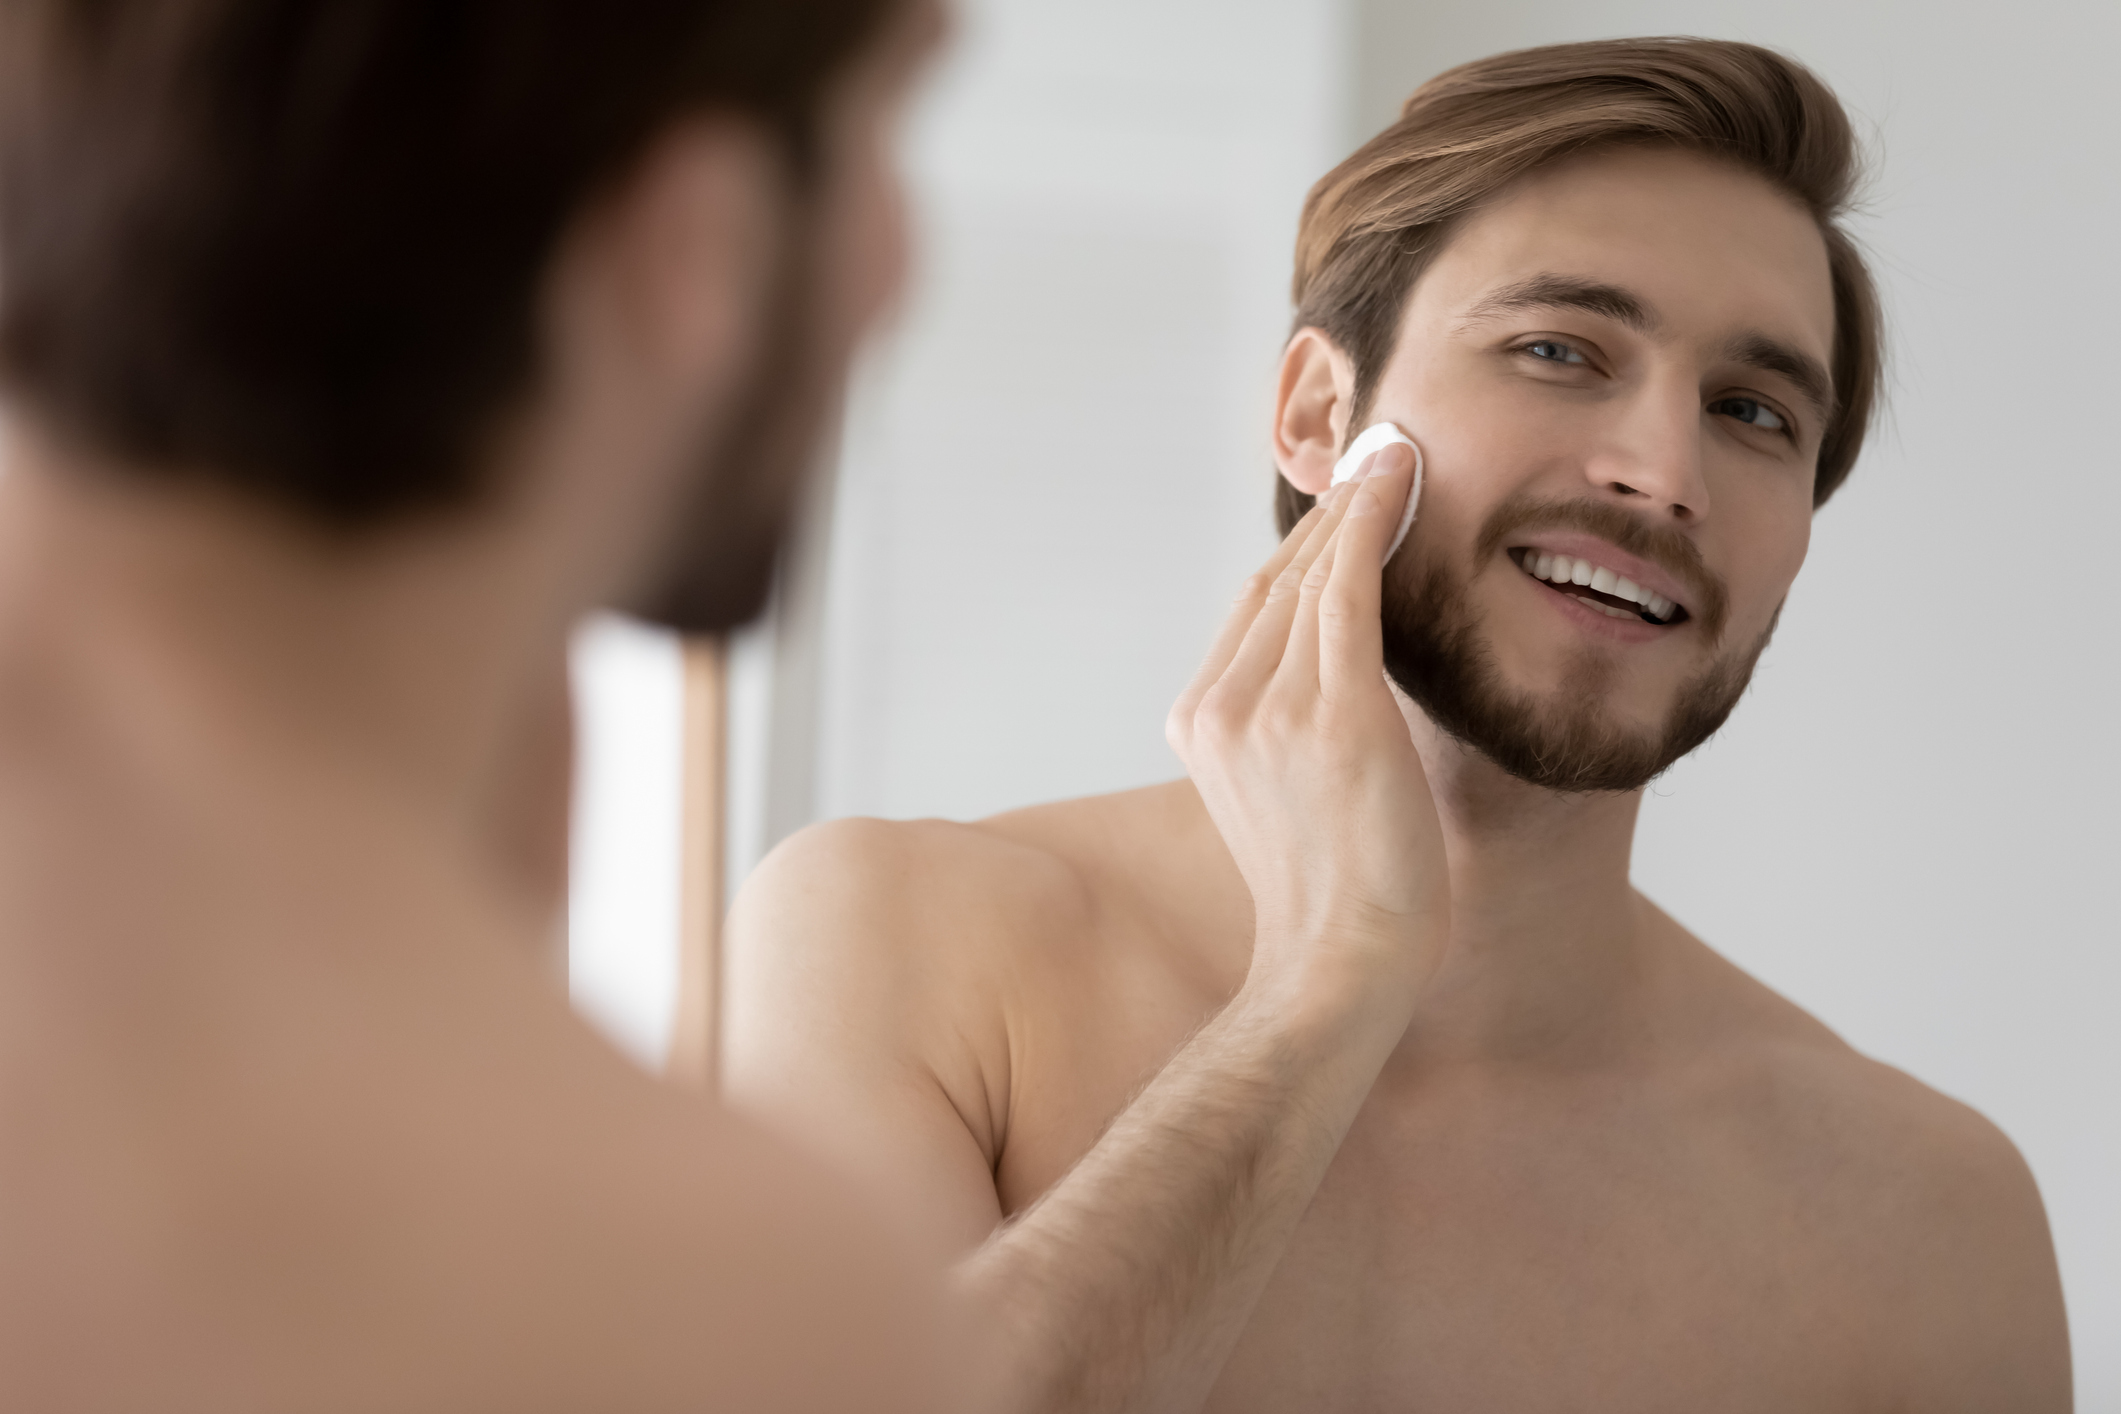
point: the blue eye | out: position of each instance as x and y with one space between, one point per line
1750 411
1554 351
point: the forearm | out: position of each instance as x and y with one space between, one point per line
1125 1286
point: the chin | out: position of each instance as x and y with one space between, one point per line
710 591
1590 690
1581 731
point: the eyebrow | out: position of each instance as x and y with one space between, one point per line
1567 292
1751 349
1770 355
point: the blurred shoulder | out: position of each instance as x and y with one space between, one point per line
721 1257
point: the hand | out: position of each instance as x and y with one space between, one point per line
1305 763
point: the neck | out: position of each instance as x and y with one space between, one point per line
421 669
1548 944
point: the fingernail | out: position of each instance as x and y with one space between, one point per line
1369 464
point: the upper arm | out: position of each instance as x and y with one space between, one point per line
855 1019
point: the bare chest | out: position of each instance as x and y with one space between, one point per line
1468 1266
1484 1247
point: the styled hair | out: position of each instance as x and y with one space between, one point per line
295 246
1373 224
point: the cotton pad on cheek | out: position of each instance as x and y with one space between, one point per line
1375 438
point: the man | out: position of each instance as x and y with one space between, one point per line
1351 1073
350 353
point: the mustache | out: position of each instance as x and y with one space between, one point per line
1708 598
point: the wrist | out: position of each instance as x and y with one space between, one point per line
1349 954
1328 1005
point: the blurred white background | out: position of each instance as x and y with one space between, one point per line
1054 475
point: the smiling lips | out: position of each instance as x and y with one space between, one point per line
1598 587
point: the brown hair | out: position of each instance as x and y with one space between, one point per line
294 245
1376 221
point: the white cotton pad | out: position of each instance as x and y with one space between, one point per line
1375 438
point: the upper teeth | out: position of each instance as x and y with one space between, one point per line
1563 569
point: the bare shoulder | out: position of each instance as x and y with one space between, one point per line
1808 1093
1912 1169
882 889
980 894
1918 1191
898 967
866 967
1936 1207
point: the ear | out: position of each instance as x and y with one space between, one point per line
1312 403
648 318
663 277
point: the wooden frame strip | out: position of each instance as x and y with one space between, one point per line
701 854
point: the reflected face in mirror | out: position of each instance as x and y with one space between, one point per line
1620 376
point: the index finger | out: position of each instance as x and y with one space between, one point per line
1250 600
1350 628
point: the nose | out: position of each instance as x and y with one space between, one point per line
1652 459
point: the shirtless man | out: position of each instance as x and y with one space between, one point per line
1351 1073
350 353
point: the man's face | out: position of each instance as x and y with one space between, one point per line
1618 372
842 261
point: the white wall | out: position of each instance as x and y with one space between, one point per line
1055 476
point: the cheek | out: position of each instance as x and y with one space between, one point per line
1453 510
1478 442
1774 551
1471 465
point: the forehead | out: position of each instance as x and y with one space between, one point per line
1710 247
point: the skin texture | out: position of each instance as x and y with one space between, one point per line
294 1115
1351 1073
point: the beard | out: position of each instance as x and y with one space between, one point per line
1437 651
717 566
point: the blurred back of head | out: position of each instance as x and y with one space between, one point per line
294 247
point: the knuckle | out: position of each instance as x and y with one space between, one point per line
1276 723
1218 719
